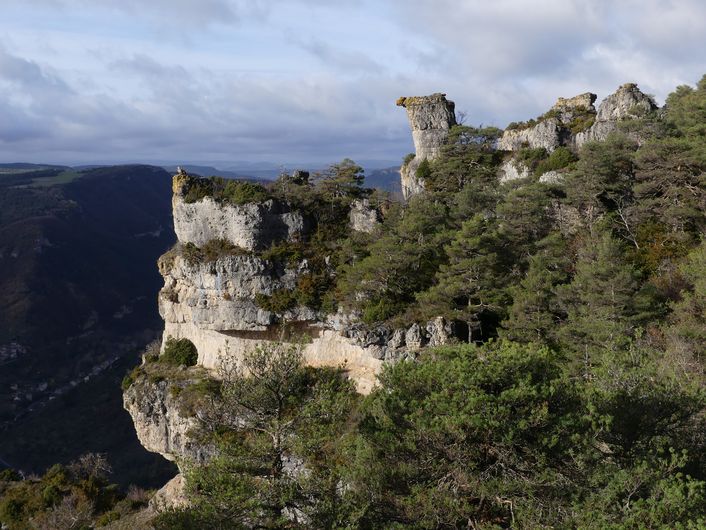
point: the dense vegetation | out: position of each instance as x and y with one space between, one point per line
76 496
580 401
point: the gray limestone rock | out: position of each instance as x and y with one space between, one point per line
554 129
414 337
411 185
363 217
512 170
251 226
547 134
159 424
551 177
627 102
440 331
221 295
171 496
430 118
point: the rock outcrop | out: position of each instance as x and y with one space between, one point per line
626 103
430 118
251 226
216 303
556 128
220 295
172 496
363 217
160 425
512 169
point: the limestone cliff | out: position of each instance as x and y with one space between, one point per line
251 226
215 302
161 424
626 103
556 128
430 118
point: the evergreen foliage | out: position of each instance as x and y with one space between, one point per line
581 400
179 352
75 496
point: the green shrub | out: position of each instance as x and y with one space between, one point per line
278 302
240 192
560 158
107 518
194 394
380 310
582 123
198 190
218 248
211 251
520 125
9 475
179 352
285 253
11 510
408 158
531 157
51 495
191 253
423 171
130 378
226 191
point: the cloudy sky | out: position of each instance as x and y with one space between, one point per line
309 81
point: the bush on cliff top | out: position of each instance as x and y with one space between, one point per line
77 495
179 352
211 251
226 191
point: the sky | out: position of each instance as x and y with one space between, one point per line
223 82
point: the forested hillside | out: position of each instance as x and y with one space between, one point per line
579 400
573 396
77 288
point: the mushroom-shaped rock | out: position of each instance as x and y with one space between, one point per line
430 118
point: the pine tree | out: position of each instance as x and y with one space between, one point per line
600 301
686 333
472 286
535 315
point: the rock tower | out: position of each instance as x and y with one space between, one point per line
430 118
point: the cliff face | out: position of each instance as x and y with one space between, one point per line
627 102
430 118
251 226
160 425
215 302
220 295
555 128
215 299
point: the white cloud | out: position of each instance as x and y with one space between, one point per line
311 79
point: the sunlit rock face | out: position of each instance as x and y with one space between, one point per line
556 128
625 103
430 118
252 226
214 303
